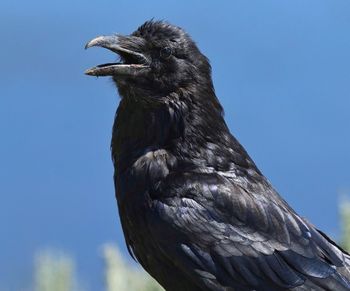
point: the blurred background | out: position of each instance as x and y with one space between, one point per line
280 69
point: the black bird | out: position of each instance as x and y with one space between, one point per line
195 210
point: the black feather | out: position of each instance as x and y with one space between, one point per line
195 210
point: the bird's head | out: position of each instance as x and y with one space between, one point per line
157 58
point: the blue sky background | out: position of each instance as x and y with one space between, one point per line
281 70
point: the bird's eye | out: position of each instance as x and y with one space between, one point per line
165 52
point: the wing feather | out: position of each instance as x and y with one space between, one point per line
242 239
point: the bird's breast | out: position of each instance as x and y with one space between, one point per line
133 187
143 174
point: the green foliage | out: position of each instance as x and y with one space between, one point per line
120 276
345 224
54 271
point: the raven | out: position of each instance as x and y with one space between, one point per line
196 211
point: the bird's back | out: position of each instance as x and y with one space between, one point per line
197 228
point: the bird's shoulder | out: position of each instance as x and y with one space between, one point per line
240 231
232 200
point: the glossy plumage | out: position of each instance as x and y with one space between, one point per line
196 212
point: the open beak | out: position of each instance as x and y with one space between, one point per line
133 63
